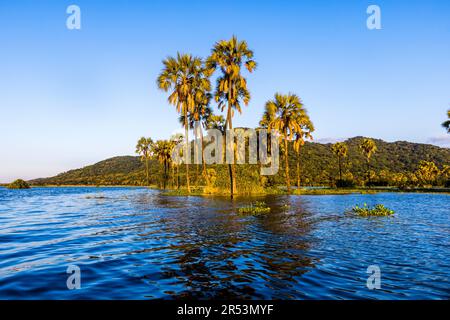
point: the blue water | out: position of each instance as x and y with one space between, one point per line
139 244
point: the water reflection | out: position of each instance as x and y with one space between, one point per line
214 252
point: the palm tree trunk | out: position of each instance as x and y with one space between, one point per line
146 170
173 175
298 169
231 167
288 181
187 149
340 168
178 176
165 175
205 174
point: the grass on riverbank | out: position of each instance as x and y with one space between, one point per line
204 191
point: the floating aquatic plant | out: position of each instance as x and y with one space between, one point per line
379 211
258 207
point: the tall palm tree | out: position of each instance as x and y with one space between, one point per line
286 115
144 149
446 124
368 148
231 88
300 137
340 149
183 75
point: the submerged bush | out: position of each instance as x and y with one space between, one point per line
345 183
19 184
379 210
256 208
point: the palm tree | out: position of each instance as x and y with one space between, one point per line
144 148
368 148
286 115
162 150
340 149
183 76
176 139
216 122
300 137
446 124
231 88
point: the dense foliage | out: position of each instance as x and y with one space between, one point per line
378 211
19 184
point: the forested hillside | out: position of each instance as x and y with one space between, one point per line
318 166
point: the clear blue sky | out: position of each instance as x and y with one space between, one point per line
71 98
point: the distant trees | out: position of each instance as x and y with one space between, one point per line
305 133
19 184
368 148
162 150
427 173
340 149
144 148
446 124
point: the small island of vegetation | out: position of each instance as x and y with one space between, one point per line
19 184
378 211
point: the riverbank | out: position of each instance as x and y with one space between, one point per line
200 191
204 191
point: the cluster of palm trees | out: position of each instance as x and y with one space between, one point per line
187 80
160 150
286 115
367 148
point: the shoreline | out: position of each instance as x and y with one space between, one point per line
269 192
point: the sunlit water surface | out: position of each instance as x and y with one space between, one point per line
139 244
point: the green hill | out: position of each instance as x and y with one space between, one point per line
318 166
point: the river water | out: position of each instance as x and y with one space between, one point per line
135 243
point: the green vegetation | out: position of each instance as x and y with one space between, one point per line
19 184
379 211
446 124
394 165
255 209
368 148
340 149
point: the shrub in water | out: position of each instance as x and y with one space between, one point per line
379 210
256 208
